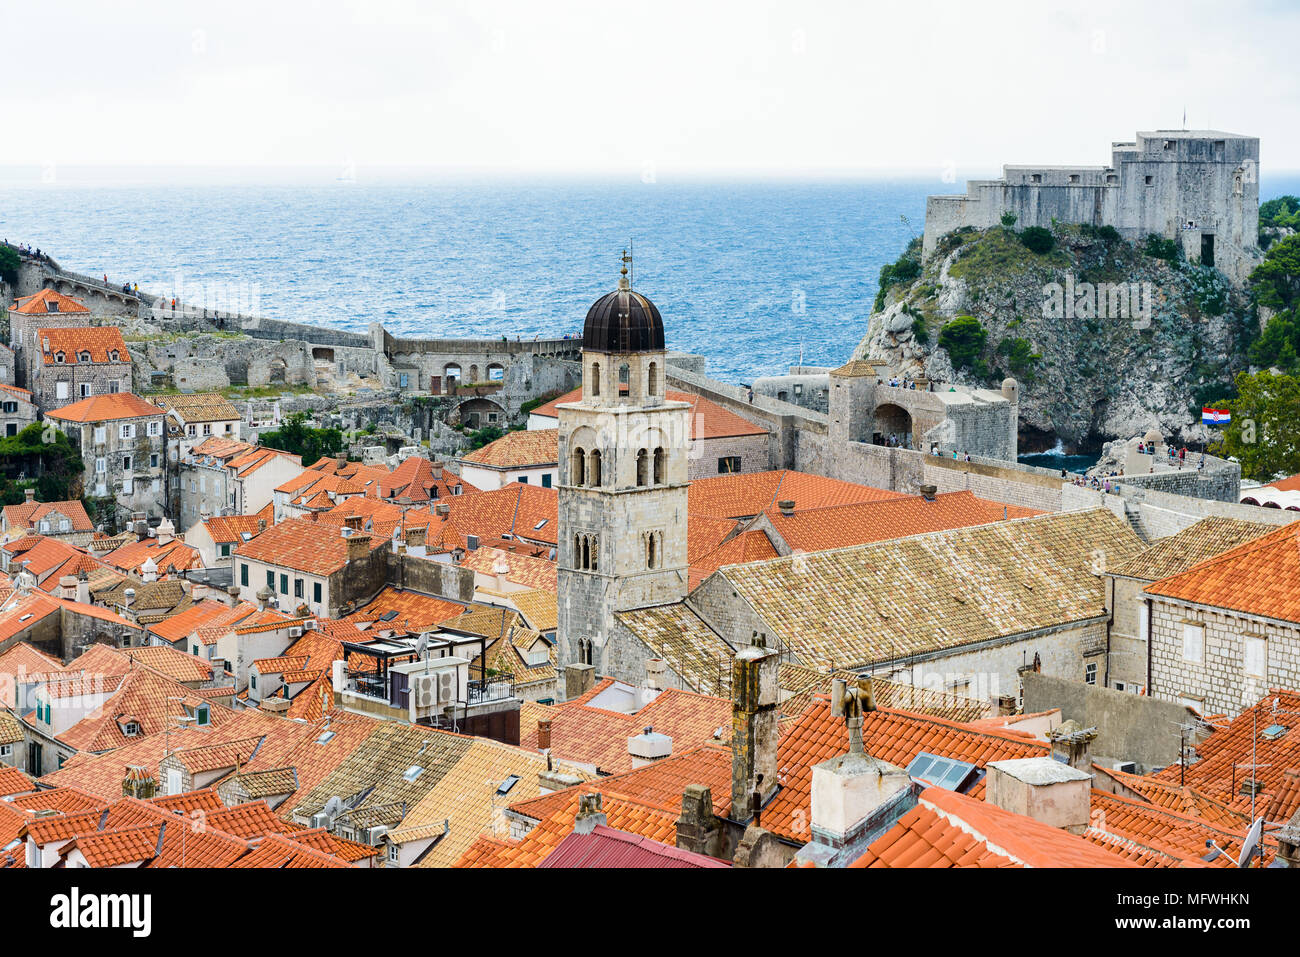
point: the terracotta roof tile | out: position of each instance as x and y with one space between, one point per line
40 304
106 408
99 343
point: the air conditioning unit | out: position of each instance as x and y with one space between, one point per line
1128 767
295 632
447 686
374 836
320 820
424 690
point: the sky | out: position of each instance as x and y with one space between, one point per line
643 89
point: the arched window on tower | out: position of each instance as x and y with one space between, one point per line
584 651
624 379
577 551
643 467
661 466
651 379
586 552
593 469
650 555
579 467
595 378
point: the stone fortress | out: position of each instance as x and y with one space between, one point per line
1200 187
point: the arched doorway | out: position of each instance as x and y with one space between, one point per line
893 426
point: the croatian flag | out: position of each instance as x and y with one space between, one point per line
1215 416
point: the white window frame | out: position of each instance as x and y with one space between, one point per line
1193 642
1254 647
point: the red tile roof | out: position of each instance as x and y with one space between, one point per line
1261 577
609 847
29 514
99 343
303 545
745 495
106 408
518 449
947 829
39 304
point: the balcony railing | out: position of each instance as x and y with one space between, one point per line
493 688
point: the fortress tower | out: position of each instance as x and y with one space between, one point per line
623 478
1200 187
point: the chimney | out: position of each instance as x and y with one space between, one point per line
500 569
551 780
354 522
578 680
1072 745
68 587
754 733
786 506
263 597
437 469
544 734
358 546
261 524
29 495
1043 789
233 592
928 492
442 509
589 814
648 747
471 542
654 674
415 537
340 463
83 589
697 827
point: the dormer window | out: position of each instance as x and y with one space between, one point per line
51 306
83 356
58 357
113 356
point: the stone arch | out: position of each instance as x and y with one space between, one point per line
473 374
451 371
661 466
322 353
652 379
642 467
595 378
594 476
893 425
578 467
277 370
624 379
496 372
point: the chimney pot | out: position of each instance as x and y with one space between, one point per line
786 506
928 492
754 723
544 734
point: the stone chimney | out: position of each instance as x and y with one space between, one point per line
437 469
1072 745
786 506
551 780
233 592
648 747
655 669
1043 789
261 524
358 546
415 537
578 680
590 814
442 509
83 589
754 717
263 597
928 492
500 569
166 531
697 827
544 734
68 587
149 571
29 495
353 522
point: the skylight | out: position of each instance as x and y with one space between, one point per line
413 772
507 784
325 738
946 773
1273 731
540 524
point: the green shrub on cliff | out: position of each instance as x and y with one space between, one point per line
907 268
9 265
1157 247
1037 239
1020 356
964 339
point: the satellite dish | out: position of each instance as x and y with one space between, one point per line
334 807
1251 847
422 645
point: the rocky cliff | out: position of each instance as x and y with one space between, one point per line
1107 339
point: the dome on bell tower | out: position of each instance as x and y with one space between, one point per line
623 321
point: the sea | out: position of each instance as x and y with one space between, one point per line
756 275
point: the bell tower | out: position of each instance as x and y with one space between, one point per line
623 451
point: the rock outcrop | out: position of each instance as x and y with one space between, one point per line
1089 370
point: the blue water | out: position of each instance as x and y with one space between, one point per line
747 273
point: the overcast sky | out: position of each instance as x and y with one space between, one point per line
648 88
